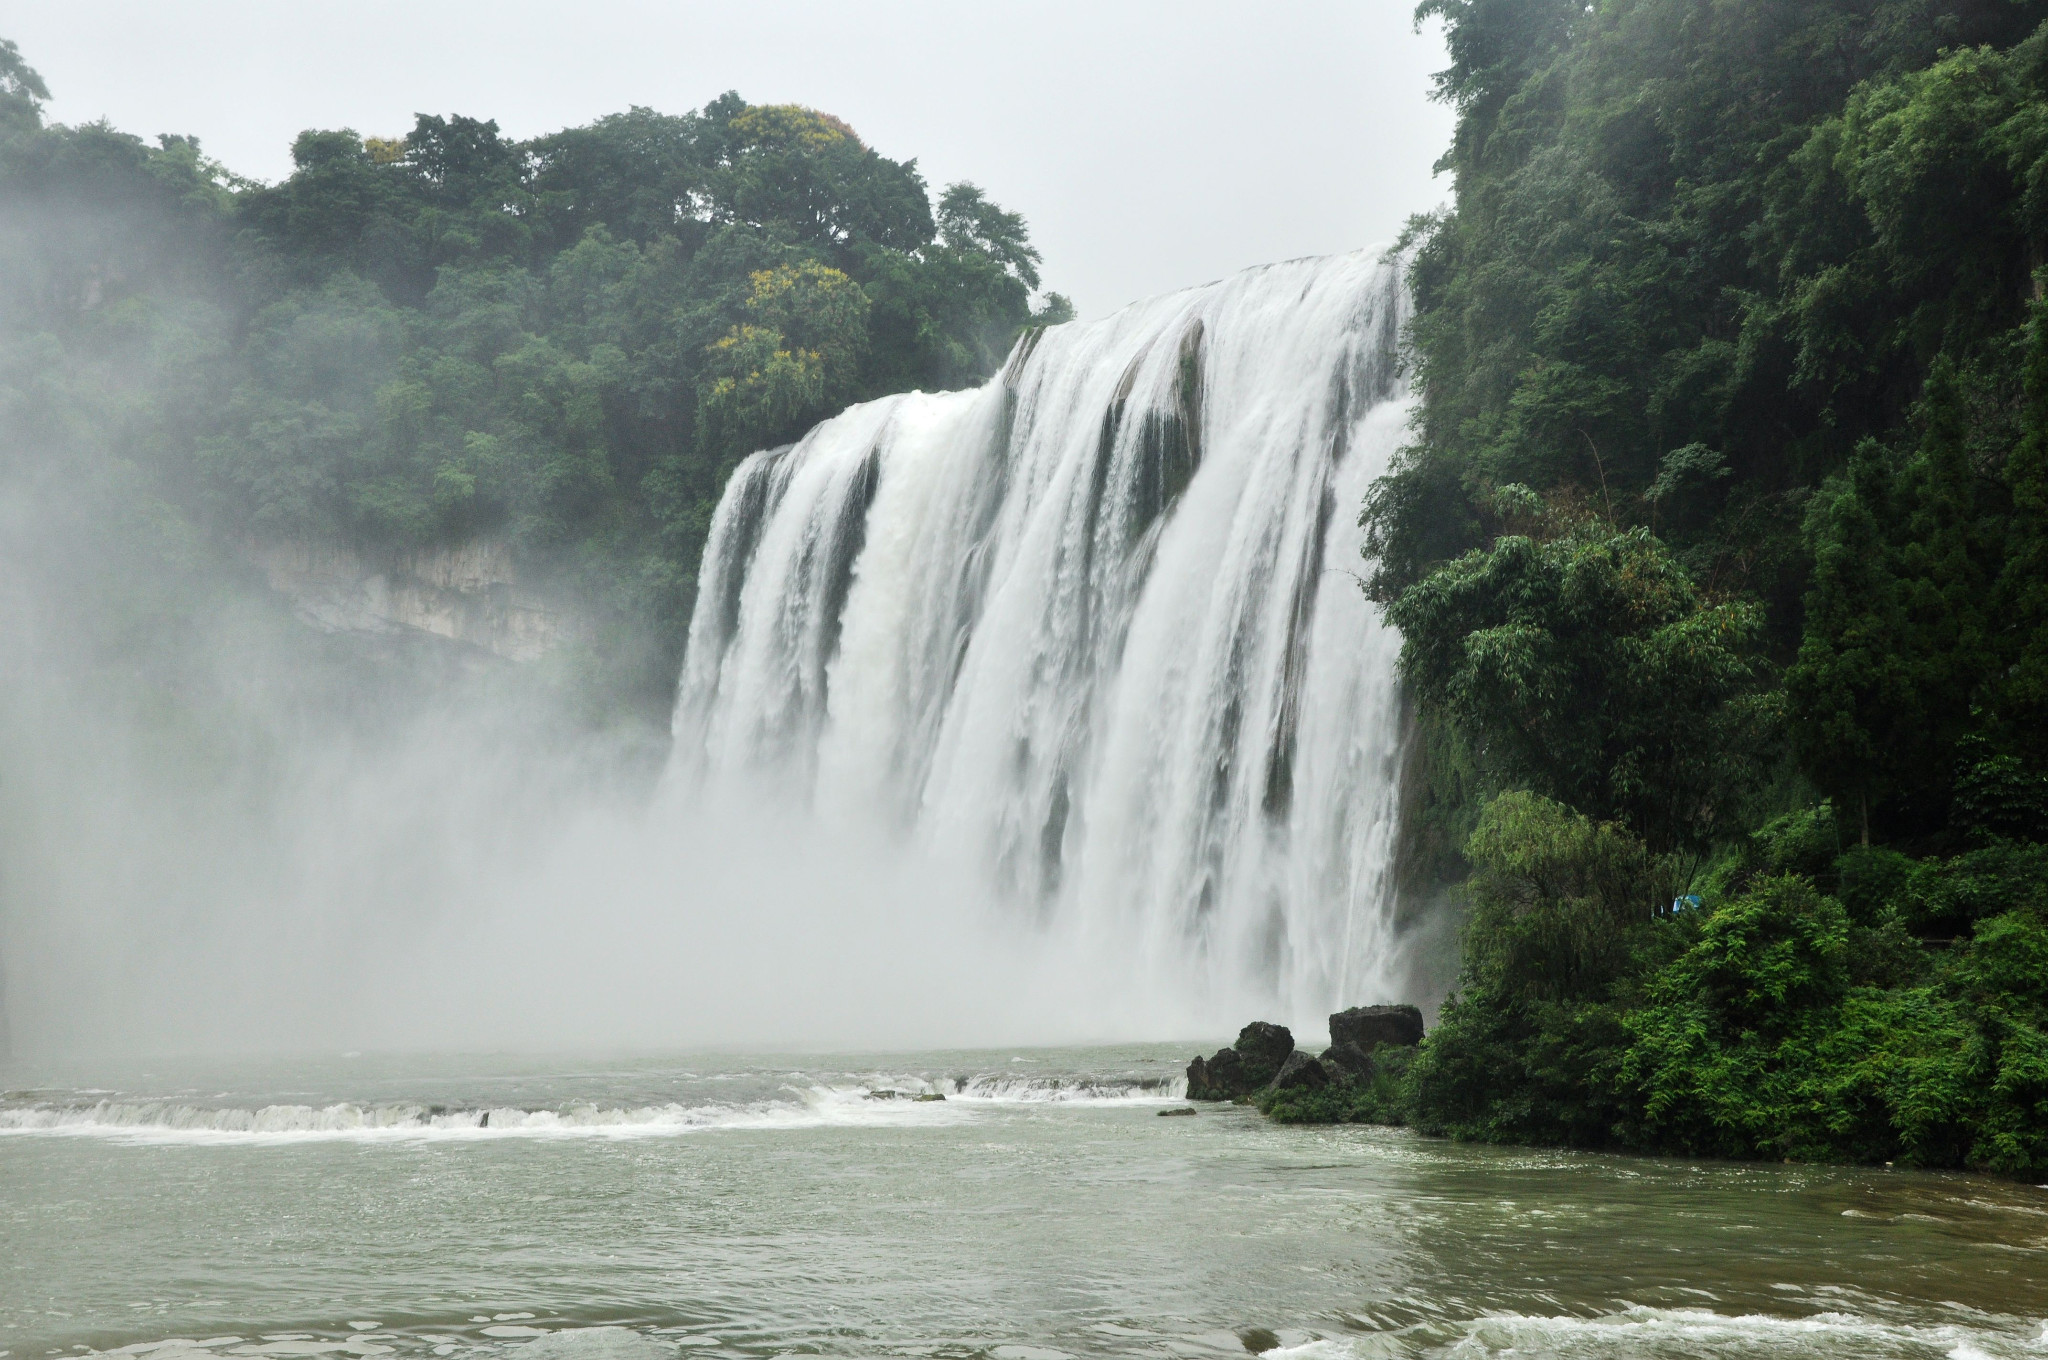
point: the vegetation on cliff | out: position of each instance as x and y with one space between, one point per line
1721 556
414 340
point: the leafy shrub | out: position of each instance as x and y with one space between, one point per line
1381 1099
1561 916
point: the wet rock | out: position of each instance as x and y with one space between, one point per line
1219 1078
1300 1073
1258 1340
1262 1047
1370 1026
1348 1062
1178 1109
931 1095
1246 1066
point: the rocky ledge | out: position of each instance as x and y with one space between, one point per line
1264 1058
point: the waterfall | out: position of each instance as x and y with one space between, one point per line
1096 628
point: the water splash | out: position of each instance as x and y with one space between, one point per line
1095 628
805 1102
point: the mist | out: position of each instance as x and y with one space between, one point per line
259 844
243 806
429 885
221 830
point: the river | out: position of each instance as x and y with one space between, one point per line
738 1207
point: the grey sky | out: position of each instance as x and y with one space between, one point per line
1151 145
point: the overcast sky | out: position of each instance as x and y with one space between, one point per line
1150 145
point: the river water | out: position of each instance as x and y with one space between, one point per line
724 1207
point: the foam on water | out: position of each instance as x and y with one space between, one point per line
164 1122
1068 1090
1644 1333
1685 1332
1635 1333
880 1099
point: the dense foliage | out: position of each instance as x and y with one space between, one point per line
1719 555
562 345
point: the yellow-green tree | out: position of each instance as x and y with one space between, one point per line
796 361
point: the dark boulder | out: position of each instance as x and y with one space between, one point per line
1246 1066
1300 1073
1226 1074
1370 1026
1217 1078
1263 1048
1348 1062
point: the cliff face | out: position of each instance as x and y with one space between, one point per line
467 593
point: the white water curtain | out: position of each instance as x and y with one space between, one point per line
1096 629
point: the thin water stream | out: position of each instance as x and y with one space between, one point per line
752 1207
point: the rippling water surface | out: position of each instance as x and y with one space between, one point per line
722 1206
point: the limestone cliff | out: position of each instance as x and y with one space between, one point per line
468 592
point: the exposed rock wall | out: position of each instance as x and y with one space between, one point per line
467 593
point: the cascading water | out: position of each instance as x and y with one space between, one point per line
1096 627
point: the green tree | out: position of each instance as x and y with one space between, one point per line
809 173
560 345
1898 648
767 380
1529 1046
22 93
2020 598
1717 1049
1588 667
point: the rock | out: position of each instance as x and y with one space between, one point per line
931 1095
1222 1077
1348 1062
1300 1073
1246 1066
1263 1048
1178 1109
1370 1026
1258 1340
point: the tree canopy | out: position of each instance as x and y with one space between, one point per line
1721 536
425 337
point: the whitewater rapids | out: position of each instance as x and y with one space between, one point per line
1095 628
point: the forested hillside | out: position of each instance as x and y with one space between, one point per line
1721 555
442 335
